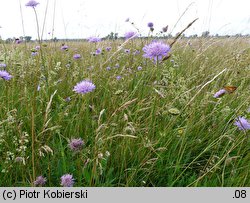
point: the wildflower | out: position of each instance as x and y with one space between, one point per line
108 68
150 25
76 144
3 65
67 99
165 29
127 51
67 65
38 88
34 53
108 48
32 3
40 181
137 52
130 34
156 50
64 47
118 77
5 75
84 87
117 65
242 123
127 20
139 68
77 56
94 39
220 93
18 41
37 47
98 51
67 180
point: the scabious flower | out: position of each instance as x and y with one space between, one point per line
136 52
130 34
3 65
156 50
150 25
34 53
84 87
108 68
98 51
37 47
65 47
5 75
139 68
118 77
40 181
76 144
77 56
220 93
67 99
242 123
165 29
108 48
127 51
32 3
94 39
18 41
67 180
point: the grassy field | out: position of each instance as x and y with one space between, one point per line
157 125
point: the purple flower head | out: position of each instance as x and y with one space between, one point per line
5 75
84 87
118 77
76 144
127 51
165 29
40 181
3 65
130 34
67 180
156 50
108 48
139 68
94 39
34 53
137 52
77 56
220 93
64 47
37 47
67 99
98 51
32 3
150 24
108 68
117 65
18 41
242 123
127 20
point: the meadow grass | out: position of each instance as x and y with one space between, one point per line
159 126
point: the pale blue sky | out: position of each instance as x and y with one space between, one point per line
84 18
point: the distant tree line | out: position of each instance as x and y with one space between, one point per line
115 36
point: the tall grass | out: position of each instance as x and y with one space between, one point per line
132 135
